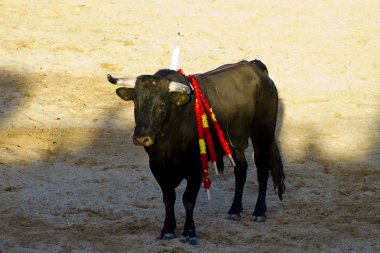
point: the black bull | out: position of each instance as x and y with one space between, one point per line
245 103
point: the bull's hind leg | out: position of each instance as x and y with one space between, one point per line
240 171
261 154
267 158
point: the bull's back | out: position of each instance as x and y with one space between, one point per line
233 89
239 94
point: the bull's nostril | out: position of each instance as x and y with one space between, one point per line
146 140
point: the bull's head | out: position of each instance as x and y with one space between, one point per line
153 98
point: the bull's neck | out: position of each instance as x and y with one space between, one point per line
181 122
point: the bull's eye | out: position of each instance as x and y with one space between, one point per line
159 106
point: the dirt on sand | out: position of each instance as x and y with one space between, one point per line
72 181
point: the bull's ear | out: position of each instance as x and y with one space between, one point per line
179 98
126 93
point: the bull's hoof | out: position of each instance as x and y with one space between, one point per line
234 216
260 218
192 240
164 235
168 236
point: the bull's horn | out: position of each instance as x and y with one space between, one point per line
127 82
175 55
179 87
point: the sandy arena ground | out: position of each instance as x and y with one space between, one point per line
72 181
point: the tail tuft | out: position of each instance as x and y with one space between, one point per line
277 171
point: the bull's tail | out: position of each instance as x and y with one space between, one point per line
277 170
260 65
276 166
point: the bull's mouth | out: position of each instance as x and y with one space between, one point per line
145 141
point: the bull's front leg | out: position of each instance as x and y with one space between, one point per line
168 231
189 198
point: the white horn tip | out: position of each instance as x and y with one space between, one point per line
175 55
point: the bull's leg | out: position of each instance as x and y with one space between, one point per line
262 161
168 230
189 199
268 157
240 178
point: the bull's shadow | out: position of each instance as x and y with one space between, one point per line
333 194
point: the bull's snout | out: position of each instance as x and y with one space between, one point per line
145 141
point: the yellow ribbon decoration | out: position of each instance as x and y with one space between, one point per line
204 121
202 146
213 117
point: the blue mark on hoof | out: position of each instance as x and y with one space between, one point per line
191 240
235 217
